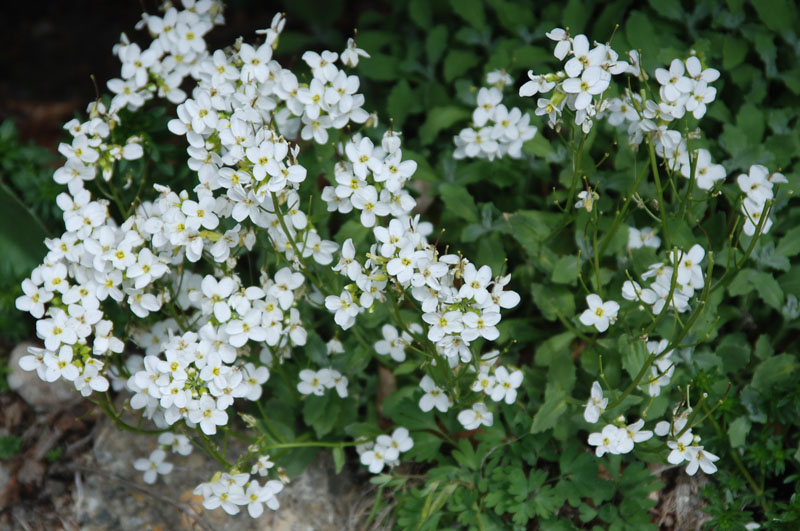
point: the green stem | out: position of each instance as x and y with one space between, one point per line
605 240
660 191
757 491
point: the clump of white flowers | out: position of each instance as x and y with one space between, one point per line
203 338
757 185
496 130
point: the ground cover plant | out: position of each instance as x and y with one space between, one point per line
604 280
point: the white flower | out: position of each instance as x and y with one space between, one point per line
401 440
374 459
644 237
689 271
506 385
702 459
311 383
586 200
595 405
593 81
607 440
599 314
475 417
433 397
392 343
350 56
153 466
207 414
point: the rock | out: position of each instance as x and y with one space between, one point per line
114 496
37 393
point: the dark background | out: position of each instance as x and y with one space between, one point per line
49 49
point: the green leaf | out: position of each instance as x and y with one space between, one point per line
529 227
553 301
380 67
512 15
440 118
435 43
789 245
751 119
566 270
471 11
777 15
421 13
576 15
734 50
670 9
775 374
552 348
398 102
634 353
538 146
768 289
738 430
9 446
734 351
742 283
640 33
338 458
459 201
21 236
763 347
552 410
457 63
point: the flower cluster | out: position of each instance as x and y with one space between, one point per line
579 87
235 490
757 186
619 438
175 51
496 130
675 282
459 302
206 336
372 180
316 382
684 445
678 94
385 450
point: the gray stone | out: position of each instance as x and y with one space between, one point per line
114 497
